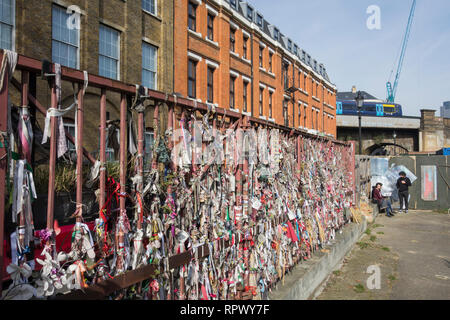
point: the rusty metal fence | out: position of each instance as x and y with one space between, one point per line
164 224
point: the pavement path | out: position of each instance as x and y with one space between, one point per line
412 252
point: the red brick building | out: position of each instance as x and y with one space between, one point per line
227 54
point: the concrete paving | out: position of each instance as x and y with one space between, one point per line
422 241
413 253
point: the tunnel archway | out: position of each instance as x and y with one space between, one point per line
386 149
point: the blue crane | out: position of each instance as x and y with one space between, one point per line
392 89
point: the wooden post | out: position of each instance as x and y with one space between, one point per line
140 186
123 173
52 166
3 165
79 149
24 155
102 149
155 134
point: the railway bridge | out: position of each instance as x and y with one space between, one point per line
396 135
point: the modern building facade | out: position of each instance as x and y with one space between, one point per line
445 109
226 53
130 41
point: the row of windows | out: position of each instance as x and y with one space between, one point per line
66 43
192 83
256 17
192 25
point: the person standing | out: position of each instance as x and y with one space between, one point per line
403 184
382 202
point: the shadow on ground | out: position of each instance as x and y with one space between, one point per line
413 253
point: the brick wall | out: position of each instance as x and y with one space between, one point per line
219 53
34 39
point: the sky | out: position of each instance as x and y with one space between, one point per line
335 33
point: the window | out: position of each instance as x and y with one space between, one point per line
70 128
299 114
270 104
109 150
249 12
289 45
245 47
317 119
270 61
304 115
245 96
7 18
149 65
232 39
261 51
148 148
285 76
370 107
293 114
295 49
149 5
259 20
109 53
210 84
233 3
192 66
285 113
65 41
261 94
192 20
210 33
299 78
304 83
232 81
276 34
348 107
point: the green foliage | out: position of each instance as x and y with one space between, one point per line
362 245
359 288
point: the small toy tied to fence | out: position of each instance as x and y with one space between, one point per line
227 209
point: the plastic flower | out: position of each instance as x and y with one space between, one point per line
19 288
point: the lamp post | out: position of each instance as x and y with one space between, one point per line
359 103
395 147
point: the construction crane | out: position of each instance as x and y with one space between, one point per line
392 89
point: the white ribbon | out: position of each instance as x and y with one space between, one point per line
23 191
52 112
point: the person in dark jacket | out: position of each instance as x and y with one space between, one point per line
403 184
382 202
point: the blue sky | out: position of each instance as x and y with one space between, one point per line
334 32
